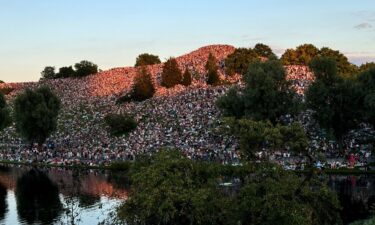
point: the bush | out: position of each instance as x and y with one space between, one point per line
171 75
186 78
64 72
48 73
85 68
5 119
120 124
147 59
143 88
239 60
212 74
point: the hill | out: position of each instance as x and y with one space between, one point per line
182 117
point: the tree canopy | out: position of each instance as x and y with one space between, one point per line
239 60
146 59
85 68
302 55
263 50
171 74
35 114
5 118
48 72
143 87
213 77
335 101
267 94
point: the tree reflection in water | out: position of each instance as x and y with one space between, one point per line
37 198
3 202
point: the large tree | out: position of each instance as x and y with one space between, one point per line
85 68
171 74
5 118
302 55
267 94
35 114
146 59
344 67
239 60
213 77
263 50
336 101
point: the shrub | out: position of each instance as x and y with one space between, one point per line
120 124
147 59
143 88
186 78
171 75
212 74
85 68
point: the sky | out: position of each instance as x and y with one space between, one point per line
112 33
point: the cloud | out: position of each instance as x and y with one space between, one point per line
362 26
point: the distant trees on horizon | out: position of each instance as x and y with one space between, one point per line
146 59
81 69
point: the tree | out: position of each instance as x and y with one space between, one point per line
65 72
302 55
335 101
367 84
146 59
264 137
120 124
186 78
366 66
48 72
239 60
85 68
171 191
171 74
5 119
344 67
267 94
213 77
1 82
263 50
143 87
35 114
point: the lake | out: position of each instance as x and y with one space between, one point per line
60 196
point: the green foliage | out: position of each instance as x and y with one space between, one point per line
1 82
266 96
263 50
336 101
120 124
64 72
263 136
367 86
5 118
168 191
239 60
365 222
186 78
171 74
213 77
48 73
366 66
344 67
85 68
302 55
146 59
35 114
143 87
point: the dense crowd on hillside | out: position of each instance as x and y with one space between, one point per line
182 117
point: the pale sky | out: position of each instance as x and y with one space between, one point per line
111 33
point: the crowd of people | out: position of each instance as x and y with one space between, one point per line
185 118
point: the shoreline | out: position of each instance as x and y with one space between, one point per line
123 166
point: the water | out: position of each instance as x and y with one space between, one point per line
59 196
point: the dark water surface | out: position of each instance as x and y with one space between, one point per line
58 196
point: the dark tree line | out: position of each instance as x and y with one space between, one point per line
81 69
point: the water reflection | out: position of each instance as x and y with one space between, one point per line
356 195
3 203
37 198
57 196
